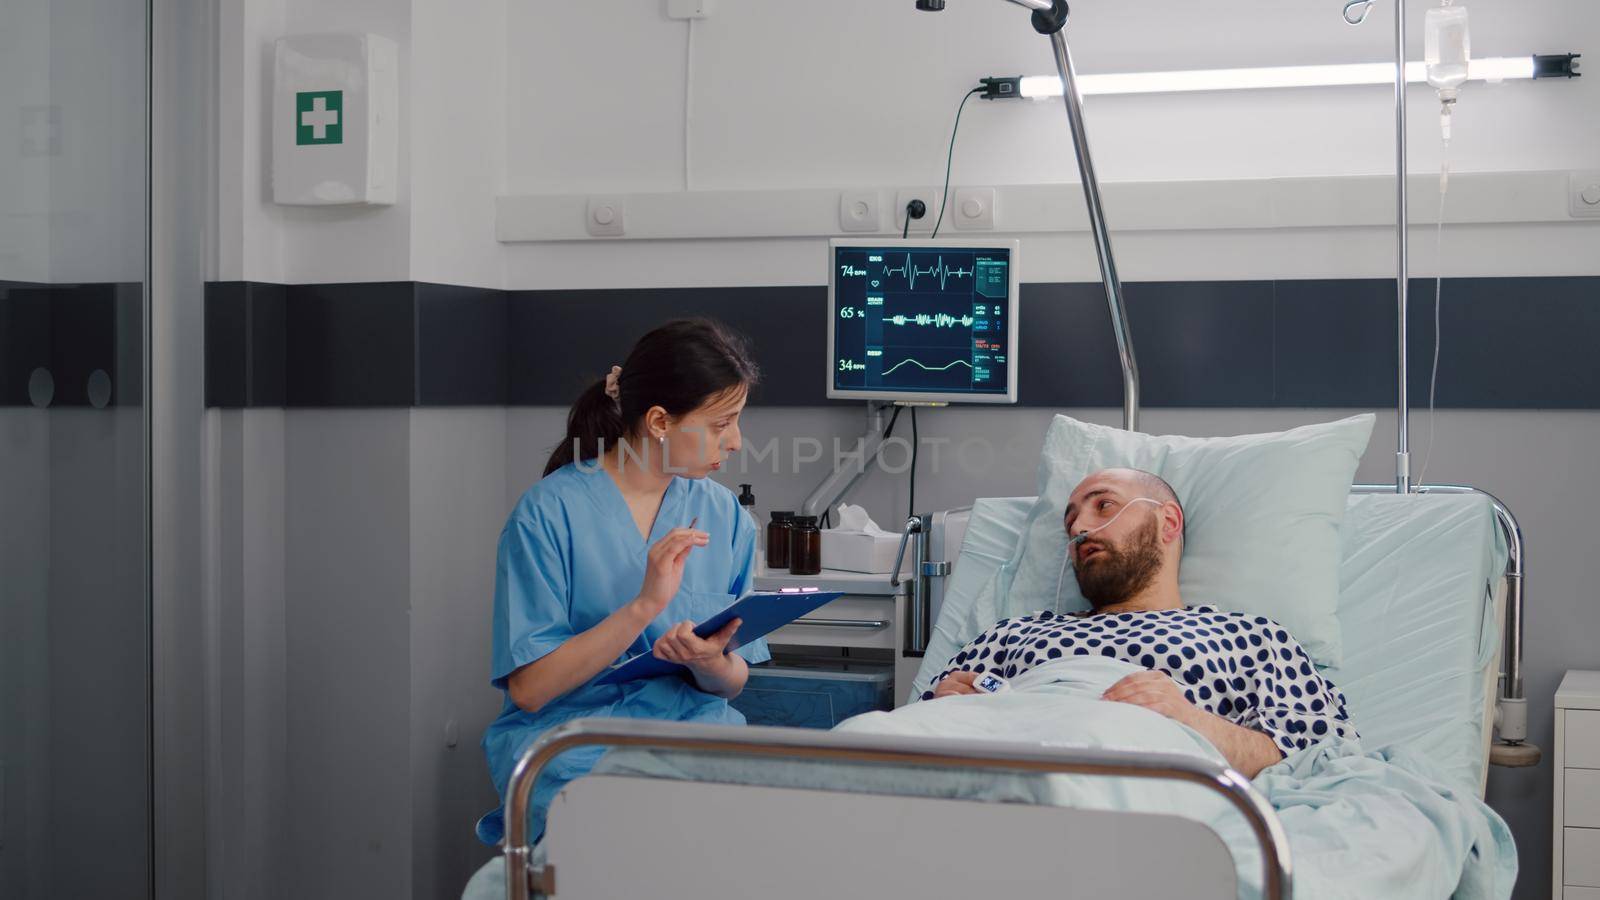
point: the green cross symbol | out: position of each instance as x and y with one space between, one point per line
319 117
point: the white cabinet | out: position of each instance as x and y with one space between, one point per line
1577 788
871 614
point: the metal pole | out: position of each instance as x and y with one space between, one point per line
1402 477
1102 238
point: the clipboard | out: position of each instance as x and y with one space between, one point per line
760 613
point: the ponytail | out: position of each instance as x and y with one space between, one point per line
593 424
678 367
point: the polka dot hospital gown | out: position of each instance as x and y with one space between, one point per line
1246 669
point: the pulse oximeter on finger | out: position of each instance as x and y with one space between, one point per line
990 683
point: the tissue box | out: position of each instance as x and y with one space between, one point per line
855 551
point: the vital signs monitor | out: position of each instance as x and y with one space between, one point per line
929 321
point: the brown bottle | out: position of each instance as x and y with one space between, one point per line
805 546
778 531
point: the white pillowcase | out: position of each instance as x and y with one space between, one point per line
1263 514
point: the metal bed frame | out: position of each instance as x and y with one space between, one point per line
523 879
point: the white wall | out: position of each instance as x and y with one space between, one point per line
458 140
452 89
458 468
862 95
570 98
352 560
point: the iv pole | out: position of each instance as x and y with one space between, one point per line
1049 18
1402 470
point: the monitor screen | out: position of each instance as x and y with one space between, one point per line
923 320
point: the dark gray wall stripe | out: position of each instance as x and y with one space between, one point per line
1509 342
245 342
463 344
561 341
71 331
350 344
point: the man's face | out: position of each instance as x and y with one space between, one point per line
1121 558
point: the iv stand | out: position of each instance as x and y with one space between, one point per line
1049 18
1402 470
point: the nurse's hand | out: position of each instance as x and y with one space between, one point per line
664 569
706 656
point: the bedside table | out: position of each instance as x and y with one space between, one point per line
1576 838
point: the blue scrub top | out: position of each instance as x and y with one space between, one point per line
569 556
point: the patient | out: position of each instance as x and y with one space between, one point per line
1241 681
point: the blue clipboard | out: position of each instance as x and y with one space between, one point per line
760 613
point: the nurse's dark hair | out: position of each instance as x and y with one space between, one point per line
678 366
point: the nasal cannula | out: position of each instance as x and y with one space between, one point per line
1082 536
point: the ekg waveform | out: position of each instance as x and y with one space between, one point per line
927 368
911 272
937 320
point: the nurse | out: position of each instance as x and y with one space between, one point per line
619 550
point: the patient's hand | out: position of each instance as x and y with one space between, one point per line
1246 749
1155 691
956 683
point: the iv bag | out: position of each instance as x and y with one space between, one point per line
1446 48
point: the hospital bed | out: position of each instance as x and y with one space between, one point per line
1430 594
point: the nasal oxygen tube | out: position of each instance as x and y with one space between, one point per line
1077 539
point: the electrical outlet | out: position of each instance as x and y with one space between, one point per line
930 199
860 211
606 217
972 209
1583 194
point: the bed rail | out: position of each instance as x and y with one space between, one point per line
524 880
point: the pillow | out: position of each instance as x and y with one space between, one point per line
1263 514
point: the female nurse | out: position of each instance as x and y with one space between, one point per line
619 550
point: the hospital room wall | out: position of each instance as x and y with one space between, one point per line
353 569
353 555
539 111
385 579
862 95
451 155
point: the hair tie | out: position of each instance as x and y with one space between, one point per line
612 390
